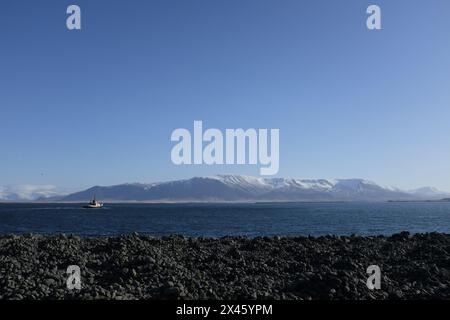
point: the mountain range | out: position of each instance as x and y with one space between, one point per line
237 188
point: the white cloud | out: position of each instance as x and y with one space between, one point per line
27 192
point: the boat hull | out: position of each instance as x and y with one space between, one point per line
93 207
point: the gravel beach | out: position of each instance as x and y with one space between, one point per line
176 267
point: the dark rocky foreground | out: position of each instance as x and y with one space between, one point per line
142 267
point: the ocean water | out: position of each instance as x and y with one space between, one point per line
215 220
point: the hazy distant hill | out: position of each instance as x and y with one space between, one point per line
27 192
246 188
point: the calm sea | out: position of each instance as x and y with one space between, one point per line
227 219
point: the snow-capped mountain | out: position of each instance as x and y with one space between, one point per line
429 193
247 188
27 192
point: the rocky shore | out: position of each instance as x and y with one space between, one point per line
143 267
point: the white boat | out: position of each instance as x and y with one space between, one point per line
94 204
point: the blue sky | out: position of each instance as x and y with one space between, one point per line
97 106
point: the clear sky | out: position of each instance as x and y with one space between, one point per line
98 106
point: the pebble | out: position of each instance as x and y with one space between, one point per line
176 267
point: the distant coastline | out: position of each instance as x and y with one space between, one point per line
220 202
437 200
44 201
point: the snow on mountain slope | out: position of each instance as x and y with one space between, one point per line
253 185
248 188
265 184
